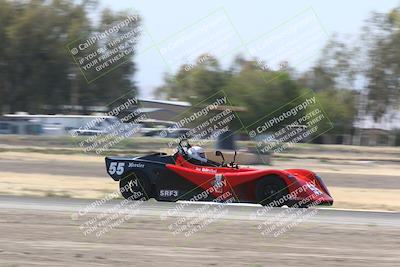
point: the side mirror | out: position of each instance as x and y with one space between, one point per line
219 154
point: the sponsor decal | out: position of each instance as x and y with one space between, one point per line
206 170
169 193
135 165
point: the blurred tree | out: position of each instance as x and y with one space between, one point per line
117 84
36 69
372 61
196 82
337 67
333 78
259 91
245 83
382 40
7 11
340 107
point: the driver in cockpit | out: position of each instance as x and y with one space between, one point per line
198 156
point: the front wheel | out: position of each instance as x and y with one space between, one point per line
135 187
271 190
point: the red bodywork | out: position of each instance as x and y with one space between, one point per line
241 182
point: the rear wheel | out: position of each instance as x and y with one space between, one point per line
135 187
271 189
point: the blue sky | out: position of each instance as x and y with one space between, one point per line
251 28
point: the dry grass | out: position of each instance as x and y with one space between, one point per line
55 185
366 198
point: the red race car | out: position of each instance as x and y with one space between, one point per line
189 175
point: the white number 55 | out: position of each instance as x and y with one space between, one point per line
116 167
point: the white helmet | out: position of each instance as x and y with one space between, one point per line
196 152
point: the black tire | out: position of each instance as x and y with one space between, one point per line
271 189
135 187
